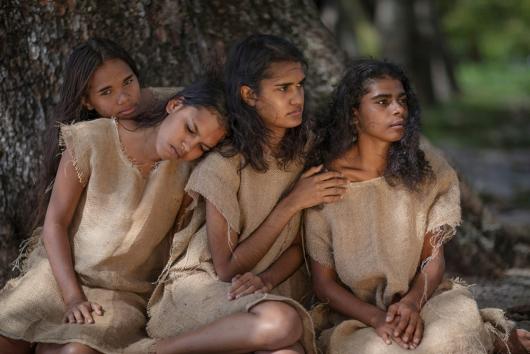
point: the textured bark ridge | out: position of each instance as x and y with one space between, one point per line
172 41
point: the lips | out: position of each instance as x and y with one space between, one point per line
295 113
127 111
398 124
175 152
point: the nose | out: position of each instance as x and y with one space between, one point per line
397 108
123 97
298 96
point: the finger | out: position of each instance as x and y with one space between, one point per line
312 171
236 277
85 311
247 291
334 182
402 324
391 313
331 199
78 316
97 308
401 343
70 318
386 338
409 331
418 333
331 175
334 191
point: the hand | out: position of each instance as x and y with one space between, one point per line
385 330
315 188
245 284
409 325
79 312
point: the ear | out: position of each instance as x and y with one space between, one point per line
86 103
174 104
248 95
355 116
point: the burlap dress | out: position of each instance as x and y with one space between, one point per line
119 245
373 239
190 294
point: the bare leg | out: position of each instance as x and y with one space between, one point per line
523 337
270 325
69 348
14 346
295 349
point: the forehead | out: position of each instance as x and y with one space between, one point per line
111 69
384 85
284 69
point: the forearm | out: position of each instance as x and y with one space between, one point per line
57 247
345 302
284 267
249 252
426 281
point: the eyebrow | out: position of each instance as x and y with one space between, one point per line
387 95
290 83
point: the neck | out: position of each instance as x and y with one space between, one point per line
275 137
150 135
372 154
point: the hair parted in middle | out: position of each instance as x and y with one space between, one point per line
248 63
336 131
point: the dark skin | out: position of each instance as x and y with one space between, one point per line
380 121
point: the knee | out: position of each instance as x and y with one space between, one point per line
279 325
77 348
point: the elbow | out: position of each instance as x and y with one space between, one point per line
224 273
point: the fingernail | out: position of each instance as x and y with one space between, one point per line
405 338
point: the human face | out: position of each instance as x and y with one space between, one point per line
383 110
113 90
280 100
187 132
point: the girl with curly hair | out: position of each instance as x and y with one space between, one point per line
377 255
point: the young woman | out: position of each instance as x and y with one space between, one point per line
100 80
118 188
235 267
377 256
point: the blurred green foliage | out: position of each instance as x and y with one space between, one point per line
492 111
484 30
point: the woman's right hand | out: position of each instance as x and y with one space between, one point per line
385 330
314 188
80 312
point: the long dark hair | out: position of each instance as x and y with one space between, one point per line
207 92
80 66
247 64
336 132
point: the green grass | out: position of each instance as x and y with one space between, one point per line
493 109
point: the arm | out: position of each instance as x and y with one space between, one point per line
427 279
63 202
288 262
233 257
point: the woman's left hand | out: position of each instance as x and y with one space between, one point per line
246 284
410 325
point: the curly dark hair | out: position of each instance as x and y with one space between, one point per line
336 132
247 64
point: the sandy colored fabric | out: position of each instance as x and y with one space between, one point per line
119 244
373 239
190 294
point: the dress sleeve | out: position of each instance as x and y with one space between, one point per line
444 214
317 234
73 141
217 179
